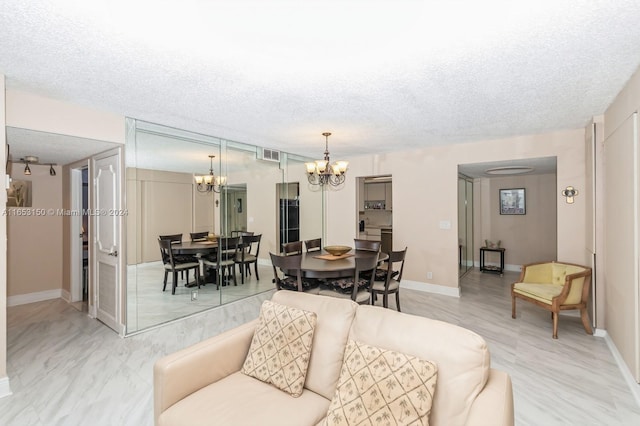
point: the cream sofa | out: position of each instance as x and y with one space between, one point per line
203 385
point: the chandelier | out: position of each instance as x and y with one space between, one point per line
210 182
322 172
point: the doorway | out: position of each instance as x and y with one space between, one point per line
79 234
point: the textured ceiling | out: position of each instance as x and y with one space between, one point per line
380 75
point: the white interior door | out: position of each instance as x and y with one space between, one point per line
107 219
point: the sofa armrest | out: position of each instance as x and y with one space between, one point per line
182 373
494 405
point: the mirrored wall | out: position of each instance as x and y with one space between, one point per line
164 199
465 224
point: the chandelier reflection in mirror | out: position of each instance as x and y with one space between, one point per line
322 172
210 182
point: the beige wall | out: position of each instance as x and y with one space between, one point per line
167 204
537 227
425 194
4 381
621 198
34 250
29 111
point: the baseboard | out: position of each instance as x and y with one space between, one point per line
624 369
5 389
23 299
66 295
431 288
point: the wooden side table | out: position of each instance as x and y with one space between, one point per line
491 268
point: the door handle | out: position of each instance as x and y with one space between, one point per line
114 253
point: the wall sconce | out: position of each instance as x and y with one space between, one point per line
569 193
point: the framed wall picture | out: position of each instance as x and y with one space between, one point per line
512 201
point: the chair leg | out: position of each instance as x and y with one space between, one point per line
256 268
175 282
385 300
398 300
166 273
187 272
555 324
235 282
585 321
513 307
242 270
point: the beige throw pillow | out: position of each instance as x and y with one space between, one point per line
281 347
379 386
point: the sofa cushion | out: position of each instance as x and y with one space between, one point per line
377 384
461 355
242 400
334 318
281 346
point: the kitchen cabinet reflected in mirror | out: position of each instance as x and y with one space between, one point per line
375 210
163 198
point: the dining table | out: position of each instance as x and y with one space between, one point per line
321 264
194 247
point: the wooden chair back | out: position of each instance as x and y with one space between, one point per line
286 263
199 236
313 244
367 245
292 248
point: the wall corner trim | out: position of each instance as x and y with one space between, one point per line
634 387
431 288
5 389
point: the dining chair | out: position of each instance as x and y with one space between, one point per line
292 248
199 236
356 287
313 245
178 258
224 262
291 279
392 278
170 265
248 254
366 245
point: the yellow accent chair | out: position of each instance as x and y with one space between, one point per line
554 286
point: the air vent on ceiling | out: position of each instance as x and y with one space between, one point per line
270 155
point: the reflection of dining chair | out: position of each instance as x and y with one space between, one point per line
356 287
248 254
199 236
367 245
241 233
313 245
179 258
392 277
292 278
292 248
170 265
224 262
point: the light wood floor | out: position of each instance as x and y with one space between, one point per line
67 369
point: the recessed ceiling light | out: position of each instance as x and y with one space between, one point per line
509 170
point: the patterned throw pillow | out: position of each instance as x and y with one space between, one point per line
281 347
378 386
